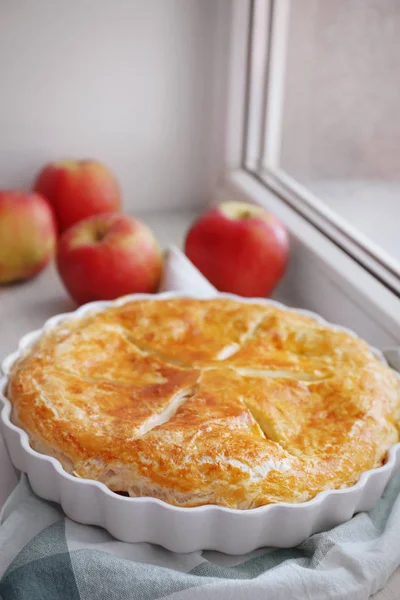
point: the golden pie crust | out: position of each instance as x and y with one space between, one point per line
207 402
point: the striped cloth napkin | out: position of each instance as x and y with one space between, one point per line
46 556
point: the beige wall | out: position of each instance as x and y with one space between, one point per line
342 95
127 81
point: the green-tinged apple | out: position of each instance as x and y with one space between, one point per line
240 248
107 256
27 235
77 189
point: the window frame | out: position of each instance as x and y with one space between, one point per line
361 269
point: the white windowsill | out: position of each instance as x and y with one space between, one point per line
373 206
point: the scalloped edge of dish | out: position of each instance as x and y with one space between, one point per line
179 529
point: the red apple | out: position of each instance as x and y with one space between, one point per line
107 256
27 235
240 248
77 189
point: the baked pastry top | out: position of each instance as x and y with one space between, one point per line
207 402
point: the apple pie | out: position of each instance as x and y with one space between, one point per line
206 402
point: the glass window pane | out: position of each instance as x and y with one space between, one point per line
341 111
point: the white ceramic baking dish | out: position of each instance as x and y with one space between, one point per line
183 529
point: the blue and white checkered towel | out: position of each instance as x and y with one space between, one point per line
46 556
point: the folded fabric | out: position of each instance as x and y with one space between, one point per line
46 556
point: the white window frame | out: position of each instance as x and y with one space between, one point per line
330 254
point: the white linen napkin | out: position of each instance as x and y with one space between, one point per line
181 275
